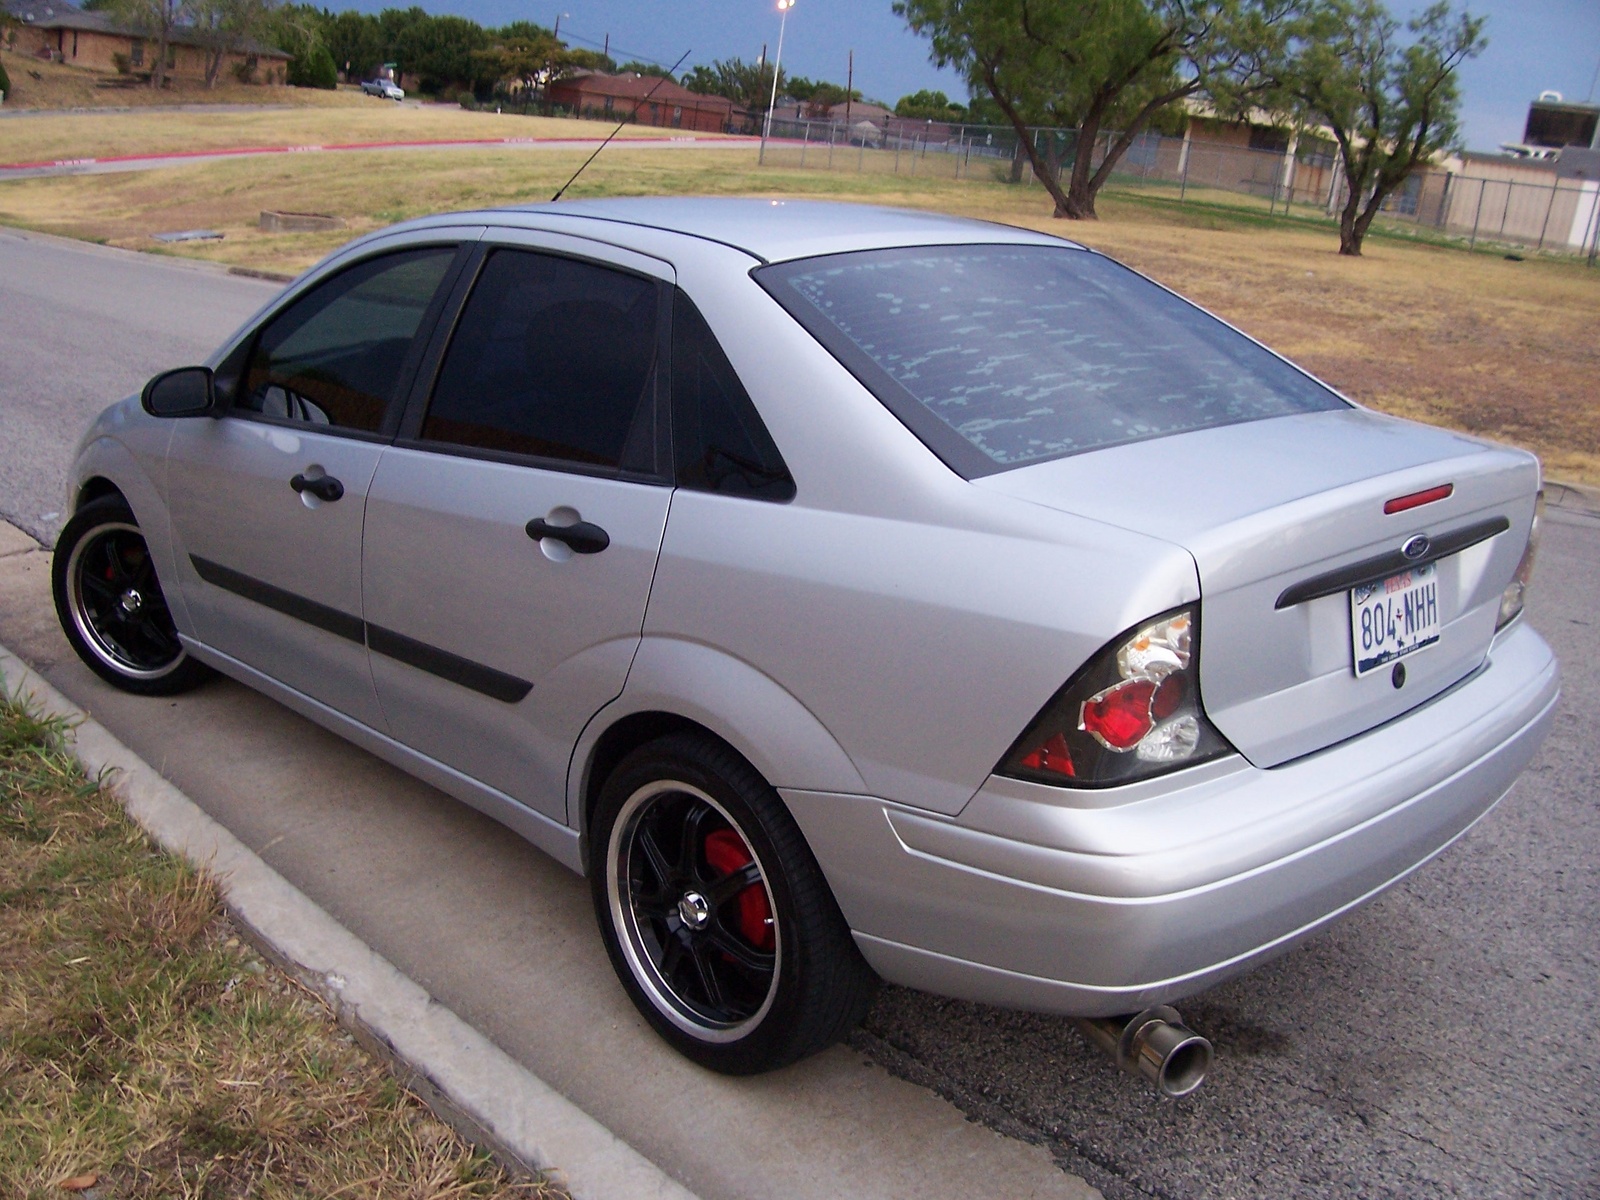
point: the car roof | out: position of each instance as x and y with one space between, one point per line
778 230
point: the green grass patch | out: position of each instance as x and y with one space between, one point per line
147 1050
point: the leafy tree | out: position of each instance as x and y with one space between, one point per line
356 42
818 95
301 30
636 67
1390 102
929 106
440 52
524 57
314 70
749 84
1098 65
521 31
532 56
826 97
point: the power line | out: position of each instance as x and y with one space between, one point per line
617 52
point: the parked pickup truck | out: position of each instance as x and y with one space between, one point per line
387 88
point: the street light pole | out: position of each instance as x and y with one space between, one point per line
777 64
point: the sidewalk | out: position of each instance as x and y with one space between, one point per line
411 909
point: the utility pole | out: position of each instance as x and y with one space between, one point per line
761 158
849 89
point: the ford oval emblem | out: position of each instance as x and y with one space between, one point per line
1416 547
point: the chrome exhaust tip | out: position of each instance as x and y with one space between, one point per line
1155 1045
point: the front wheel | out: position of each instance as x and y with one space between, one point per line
111 606
717 918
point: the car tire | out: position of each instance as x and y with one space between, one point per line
111 605
718 920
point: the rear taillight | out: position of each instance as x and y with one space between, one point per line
1513 598
1131 712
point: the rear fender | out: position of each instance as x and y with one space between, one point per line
749 710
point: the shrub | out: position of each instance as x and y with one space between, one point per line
244 71
467 101
314 69
5 80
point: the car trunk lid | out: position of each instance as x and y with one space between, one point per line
1277 515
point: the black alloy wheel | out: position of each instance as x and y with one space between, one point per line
717 918
111 606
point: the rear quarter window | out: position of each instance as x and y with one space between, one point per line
998 356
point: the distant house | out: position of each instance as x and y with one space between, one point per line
61 32
645 99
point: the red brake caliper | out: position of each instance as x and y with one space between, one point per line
725 854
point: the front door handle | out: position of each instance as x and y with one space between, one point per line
324 487
585 537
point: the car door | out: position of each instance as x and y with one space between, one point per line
267 502
512 530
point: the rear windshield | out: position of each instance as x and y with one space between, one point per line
997 356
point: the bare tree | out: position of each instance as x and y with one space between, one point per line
221 25
156 19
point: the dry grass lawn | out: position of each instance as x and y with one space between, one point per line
47 85
346 117
1470 340
146 1053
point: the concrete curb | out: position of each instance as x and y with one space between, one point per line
471 1083
1573 496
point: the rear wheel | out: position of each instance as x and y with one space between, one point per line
111 605
717 918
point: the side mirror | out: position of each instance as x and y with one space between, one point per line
186 392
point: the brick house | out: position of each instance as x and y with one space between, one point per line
61 32
670 105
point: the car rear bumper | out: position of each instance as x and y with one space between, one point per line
1097 903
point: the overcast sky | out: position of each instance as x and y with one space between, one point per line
1533 44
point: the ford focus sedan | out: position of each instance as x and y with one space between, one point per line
850 594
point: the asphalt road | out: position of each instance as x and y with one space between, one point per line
80 327
1441 1042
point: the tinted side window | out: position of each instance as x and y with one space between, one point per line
333 357
552 358
718 439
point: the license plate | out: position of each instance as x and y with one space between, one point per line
1394 617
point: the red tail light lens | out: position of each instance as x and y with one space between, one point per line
1131 712
1120 717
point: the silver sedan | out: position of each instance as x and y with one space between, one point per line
851 594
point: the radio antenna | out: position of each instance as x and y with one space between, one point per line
636 107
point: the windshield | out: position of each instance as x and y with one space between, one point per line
1002 355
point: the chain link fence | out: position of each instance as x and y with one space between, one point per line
1543 213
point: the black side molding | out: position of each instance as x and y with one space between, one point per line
341 624
1381 566
497 685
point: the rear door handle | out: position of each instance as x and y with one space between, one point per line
583 538
324 487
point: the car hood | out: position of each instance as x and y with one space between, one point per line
1265 505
